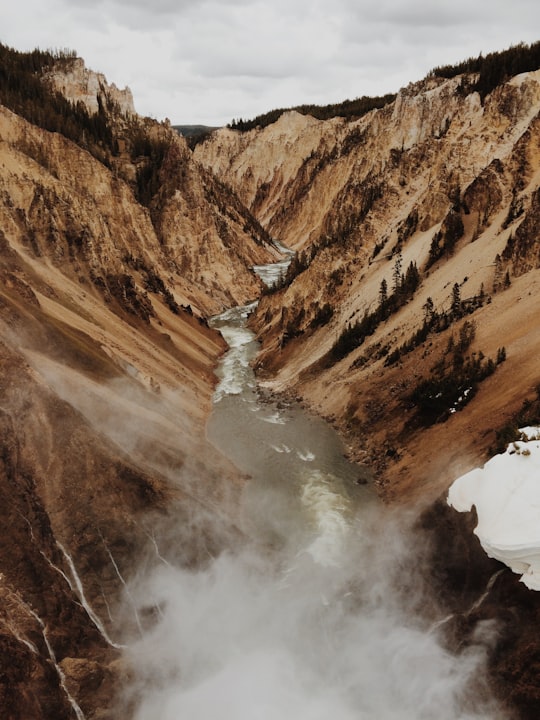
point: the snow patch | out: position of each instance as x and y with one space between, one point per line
506 494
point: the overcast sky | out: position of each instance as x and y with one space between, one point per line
209 61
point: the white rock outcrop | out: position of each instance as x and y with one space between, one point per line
79 84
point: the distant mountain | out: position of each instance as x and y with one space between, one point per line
191 130
194 134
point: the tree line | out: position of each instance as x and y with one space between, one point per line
347 109
494 68
25 90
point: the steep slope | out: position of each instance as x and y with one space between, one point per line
263 167
114 248
410 317
115 245
141 162
415 220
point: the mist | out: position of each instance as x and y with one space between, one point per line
266 635
317 606
321 608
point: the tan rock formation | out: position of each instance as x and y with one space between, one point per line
116 245
80 84
439 178
106 376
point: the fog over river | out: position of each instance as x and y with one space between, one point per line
317 616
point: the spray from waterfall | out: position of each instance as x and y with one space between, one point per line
313 617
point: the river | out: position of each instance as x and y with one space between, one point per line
301 486
316 615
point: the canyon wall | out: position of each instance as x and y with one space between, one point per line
416 225
409 318
115 246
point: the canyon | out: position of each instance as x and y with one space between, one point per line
408 318
359 199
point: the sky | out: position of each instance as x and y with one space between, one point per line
209 61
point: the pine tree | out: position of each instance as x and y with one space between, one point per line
398 264
456 306
383 292
429 310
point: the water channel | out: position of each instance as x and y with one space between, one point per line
302 490
315 617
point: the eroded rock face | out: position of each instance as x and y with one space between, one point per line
93 464
80 84
42 617
485 603
447 181
106 376
63 204
442 179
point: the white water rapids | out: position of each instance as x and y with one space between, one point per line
314 616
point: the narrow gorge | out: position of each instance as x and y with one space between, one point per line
236 384
316 610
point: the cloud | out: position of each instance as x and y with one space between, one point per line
212 60
257 41
418 13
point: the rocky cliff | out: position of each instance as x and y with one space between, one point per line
80 84
115 246
416 227
409 318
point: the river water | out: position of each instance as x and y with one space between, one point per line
316 615
301 485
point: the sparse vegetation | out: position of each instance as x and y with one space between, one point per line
522 251
444 241
437 321
527 415
322 316
24 89
406 228
360 197
354 335
150 155
123 289
152 282
454 380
